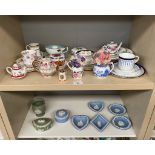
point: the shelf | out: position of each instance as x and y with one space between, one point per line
35 82
1 136
153 134
77 105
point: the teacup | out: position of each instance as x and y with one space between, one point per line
127 61
20 62
34 46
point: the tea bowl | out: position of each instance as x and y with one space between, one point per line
56 49
99 122
96 106
61 115
80 122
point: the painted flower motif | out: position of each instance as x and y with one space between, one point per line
101 57
74 63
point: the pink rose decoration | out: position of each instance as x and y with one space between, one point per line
101 57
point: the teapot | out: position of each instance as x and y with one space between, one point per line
16 71
45 67
112 47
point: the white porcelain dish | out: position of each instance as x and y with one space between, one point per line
137 71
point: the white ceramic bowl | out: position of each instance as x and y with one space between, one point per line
56 49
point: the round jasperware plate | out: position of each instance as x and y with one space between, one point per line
117 109
121 122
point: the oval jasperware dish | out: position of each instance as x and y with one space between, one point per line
117 109
121 122
42 124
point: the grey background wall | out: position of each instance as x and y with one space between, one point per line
73 31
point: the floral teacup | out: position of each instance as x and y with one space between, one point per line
28 57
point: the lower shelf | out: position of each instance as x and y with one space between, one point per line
153 134
77 104
1 136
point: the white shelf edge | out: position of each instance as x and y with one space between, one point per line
77 105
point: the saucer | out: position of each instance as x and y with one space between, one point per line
121 122
137 71
117 109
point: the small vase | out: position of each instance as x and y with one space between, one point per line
38 107
103 71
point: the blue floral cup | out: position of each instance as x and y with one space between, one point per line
103 71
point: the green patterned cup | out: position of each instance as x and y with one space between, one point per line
38 107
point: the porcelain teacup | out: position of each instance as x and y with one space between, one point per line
127 61
28 57
34 46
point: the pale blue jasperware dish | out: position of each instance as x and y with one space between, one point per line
96 106
99 122
80 122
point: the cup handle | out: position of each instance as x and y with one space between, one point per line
9 70
136 59
67 48
27 47
69 66
112 66
36 64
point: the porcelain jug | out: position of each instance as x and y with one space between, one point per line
76 68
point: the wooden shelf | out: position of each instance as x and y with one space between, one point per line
35 82
77 104
1 136
153 134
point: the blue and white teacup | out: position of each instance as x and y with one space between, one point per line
127 61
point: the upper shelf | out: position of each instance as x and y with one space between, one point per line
35 82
